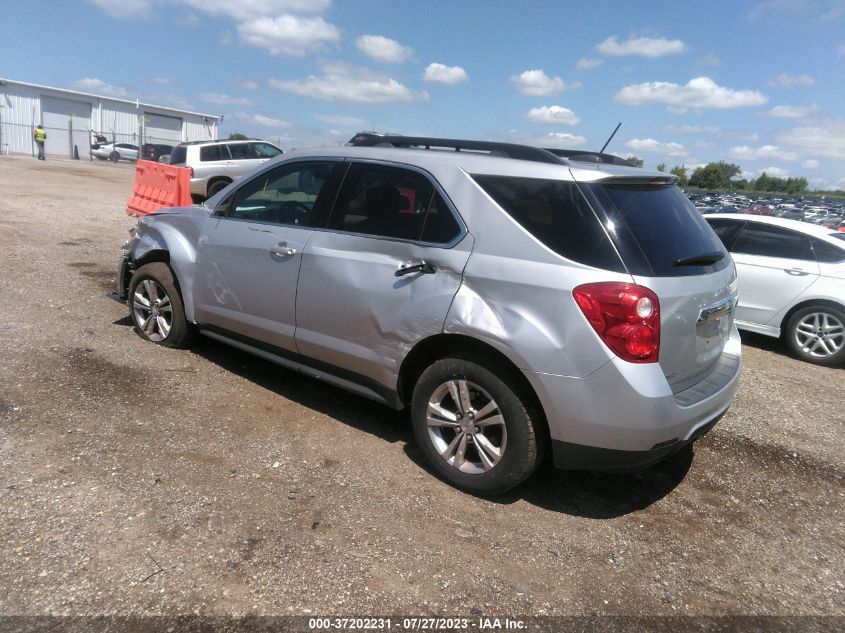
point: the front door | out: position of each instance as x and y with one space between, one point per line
250 253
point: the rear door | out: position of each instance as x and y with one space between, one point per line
382 273
774 265
668 247
250 252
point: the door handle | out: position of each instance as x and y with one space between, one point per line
414 266
282 250
795 272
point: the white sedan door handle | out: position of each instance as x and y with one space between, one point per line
281 249
795 272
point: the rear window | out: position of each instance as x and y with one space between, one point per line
655 228
557 214
178 155
211 152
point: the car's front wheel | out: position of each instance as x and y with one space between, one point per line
816 334
473 428
156 307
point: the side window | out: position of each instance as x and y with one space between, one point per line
828 253
265 150
211 152
285 195
557 214
726 230
243 151
178 155
382 200
440 225
772 241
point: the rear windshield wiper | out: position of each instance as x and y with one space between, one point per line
703 259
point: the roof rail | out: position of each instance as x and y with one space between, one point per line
590 157
508 150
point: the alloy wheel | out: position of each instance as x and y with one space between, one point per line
466 426
153 310
820 334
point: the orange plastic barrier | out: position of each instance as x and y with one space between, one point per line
158 186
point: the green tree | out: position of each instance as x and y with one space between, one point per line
237 136
661 167
711 176
635 161
681 172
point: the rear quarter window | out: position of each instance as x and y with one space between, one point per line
829 253
556 213
178 155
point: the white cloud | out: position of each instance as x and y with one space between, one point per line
793 112
384 50
536 83
588 63
643 46
125 9
350 84
825 138
100 87
710 59
288 34
247 84
554 115
700 92
222 99
243 10
161 81
811 164
552 139
783 80
771 171
443 74
764 152
262 120
341 120
657 147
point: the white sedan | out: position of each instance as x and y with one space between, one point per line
116 152
791 282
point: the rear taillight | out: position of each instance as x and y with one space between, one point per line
625 316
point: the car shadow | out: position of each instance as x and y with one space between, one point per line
577 493
766 343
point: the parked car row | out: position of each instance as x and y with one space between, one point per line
830 214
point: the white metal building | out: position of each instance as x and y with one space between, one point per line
69 117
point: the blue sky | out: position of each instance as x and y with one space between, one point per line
758 83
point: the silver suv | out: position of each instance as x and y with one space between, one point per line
521 303
215 164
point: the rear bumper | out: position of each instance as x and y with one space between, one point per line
624 416
568 456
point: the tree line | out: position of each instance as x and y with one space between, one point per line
722 175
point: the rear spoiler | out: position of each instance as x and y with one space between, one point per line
640 180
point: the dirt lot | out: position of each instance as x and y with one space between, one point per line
141 480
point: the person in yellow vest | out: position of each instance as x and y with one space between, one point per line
40 136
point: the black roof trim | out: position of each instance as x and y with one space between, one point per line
508 150
590 157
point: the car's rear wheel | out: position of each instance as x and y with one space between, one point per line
217 186
473 427
156 307
816 334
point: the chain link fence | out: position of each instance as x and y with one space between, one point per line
84 143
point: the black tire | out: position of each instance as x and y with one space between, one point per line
523 440
216 186
114 156
148 318
805 342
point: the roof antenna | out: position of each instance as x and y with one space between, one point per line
601 151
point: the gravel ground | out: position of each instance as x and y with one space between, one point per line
139 480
